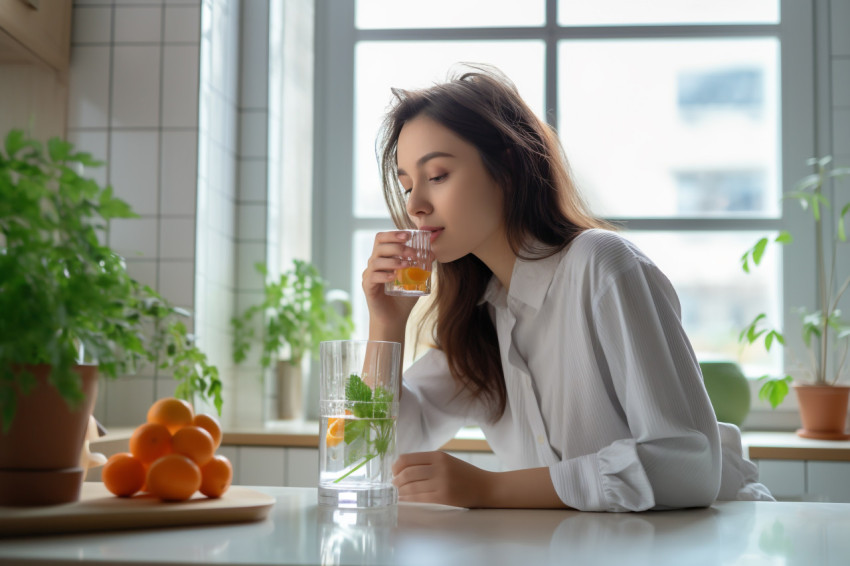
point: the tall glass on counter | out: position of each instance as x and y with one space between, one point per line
358 406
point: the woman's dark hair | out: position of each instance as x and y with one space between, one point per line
543 211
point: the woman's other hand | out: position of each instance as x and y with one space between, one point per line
436 477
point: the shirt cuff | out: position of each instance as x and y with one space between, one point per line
612 479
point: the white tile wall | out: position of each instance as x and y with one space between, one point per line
128 399
144 271
252 180
177 237
179 168
180 85
135 238
182 23
95 143
134 103
177 282
133 169
92 24
138 24
136 86
88 97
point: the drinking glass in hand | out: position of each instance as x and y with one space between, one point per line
414 280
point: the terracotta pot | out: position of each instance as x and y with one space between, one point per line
823 410
40 455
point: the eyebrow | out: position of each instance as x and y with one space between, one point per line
425 158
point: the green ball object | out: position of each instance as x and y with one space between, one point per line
728 390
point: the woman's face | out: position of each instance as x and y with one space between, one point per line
449 191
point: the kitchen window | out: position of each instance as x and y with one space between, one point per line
676 118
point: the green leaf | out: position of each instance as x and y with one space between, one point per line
842 235
806 183
356 390
774 391
784 237
758 250
58 149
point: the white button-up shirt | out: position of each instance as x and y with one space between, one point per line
603 387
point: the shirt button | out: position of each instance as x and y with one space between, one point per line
540 439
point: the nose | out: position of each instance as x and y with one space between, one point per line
418 203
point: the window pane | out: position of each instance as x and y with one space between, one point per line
673 128
629 12
413 64
718 299
383 14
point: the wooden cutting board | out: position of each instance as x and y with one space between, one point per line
99 510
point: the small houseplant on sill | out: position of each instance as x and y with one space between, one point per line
823 402
69 311
298 313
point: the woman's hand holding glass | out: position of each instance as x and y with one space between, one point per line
387 314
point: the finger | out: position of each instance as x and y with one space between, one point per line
413 459
416 488
413 474
388 263
392 236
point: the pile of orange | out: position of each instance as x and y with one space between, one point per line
171 456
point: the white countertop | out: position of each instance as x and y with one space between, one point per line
299 532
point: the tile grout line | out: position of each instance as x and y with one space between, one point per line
158 234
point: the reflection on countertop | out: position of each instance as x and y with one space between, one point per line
298 531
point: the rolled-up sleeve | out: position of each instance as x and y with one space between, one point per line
432 407
672 459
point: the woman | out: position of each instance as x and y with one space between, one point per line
555 335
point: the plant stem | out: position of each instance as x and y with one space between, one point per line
820 369
355 468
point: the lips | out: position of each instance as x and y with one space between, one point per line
435 232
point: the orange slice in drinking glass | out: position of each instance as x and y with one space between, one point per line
416 274
336 431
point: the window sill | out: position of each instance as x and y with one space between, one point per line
304 434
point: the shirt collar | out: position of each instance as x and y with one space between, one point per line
530 282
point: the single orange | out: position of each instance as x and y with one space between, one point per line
174 477
194 442
150 441
171 412
210 424
123 474
216 476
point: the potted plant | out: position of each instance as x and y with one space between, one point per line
823 401
298 313
68 312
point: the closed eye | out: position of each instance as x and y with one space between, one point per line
439 178
407 192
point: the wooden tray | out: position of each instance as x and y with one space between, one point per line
99 510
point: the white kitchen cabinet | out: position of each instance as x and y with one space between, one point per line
302 467
786 479
260 465
828 481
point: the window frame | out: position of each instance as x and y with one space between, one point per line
334 222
